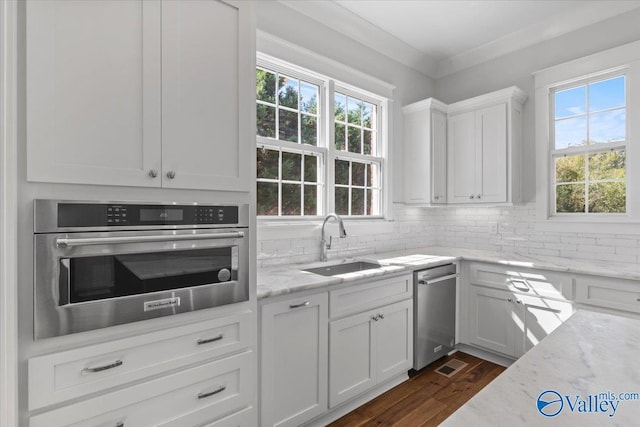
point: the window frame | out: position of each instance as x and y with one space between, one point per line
586 150
325 148
610 62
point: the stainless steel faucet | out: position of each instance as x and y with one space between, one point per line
323 243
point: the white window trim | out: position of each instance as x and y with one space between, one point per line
620 59
328 86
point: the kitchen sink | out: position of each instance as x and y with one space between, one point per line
349 267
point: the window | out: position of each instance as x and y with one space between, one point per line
589 145
313 156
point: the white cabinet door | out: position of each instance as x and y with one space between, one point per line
394 340
439 157
351 357
540 317
93 91
417 157
491 169
294 360
425 138
491 320
462 162
206 73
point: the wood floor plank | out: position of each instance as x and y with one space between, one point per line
426 399
426 411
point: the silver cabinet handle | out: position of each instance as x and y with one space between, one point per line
208 340
302 304
477 196
375 318
518 301
509 299
153 173
211 393
63 243
439 279
471 196
381 316
102 368
171 174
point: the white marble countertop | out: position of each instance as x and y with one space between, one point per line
591 353
285 279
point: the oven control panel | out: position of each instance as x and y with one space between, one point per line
74 215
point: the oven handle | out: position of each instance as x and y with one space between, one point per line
66 242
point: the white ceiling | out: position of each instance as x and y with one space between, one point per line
441 37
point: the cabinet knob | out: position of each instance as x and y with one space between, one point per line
171 174
381 316
436 197
518 302
375 318
509 299
471 196
153 173
477 196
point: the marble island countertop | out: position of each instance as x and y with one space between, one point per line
575 376
285 279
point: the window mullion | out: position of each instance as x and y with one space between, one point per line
330 205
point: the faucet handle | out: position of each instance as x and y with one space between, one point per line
330 240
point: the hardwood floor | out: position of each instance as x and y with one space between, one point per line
427 399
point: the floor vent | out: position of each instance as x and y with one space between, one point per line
451 368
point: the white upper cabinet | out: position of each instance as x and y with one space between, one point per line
93 92
484 145
425 136
206 95
135 92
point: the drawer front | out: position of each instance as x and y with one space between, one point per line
358 298
523 280
71 374
605 292
243 418
202 395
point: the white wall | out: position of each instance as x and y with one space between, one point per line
284 23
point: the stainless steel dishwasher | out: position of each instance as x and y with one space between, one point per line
434 318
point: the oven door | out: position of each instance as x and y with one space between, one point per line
86 281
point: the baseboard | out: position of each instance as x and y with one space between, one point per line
486 355
356 402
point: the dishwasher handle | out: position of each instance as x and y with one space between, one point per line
439 279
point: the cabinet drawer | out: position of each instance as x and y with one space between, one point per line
198 395
605 292
354 299
522 280
75 373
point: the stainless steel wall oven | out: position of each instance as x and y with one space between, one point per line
109 263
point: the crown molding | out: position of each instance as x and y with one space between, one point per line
511 94
425 104
586 14
351 25
356 28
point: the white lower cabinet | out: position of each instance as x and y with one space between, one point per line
197 396
368 348
510 323
294 360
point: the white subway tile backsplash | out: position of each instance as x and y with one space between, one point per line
502 229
